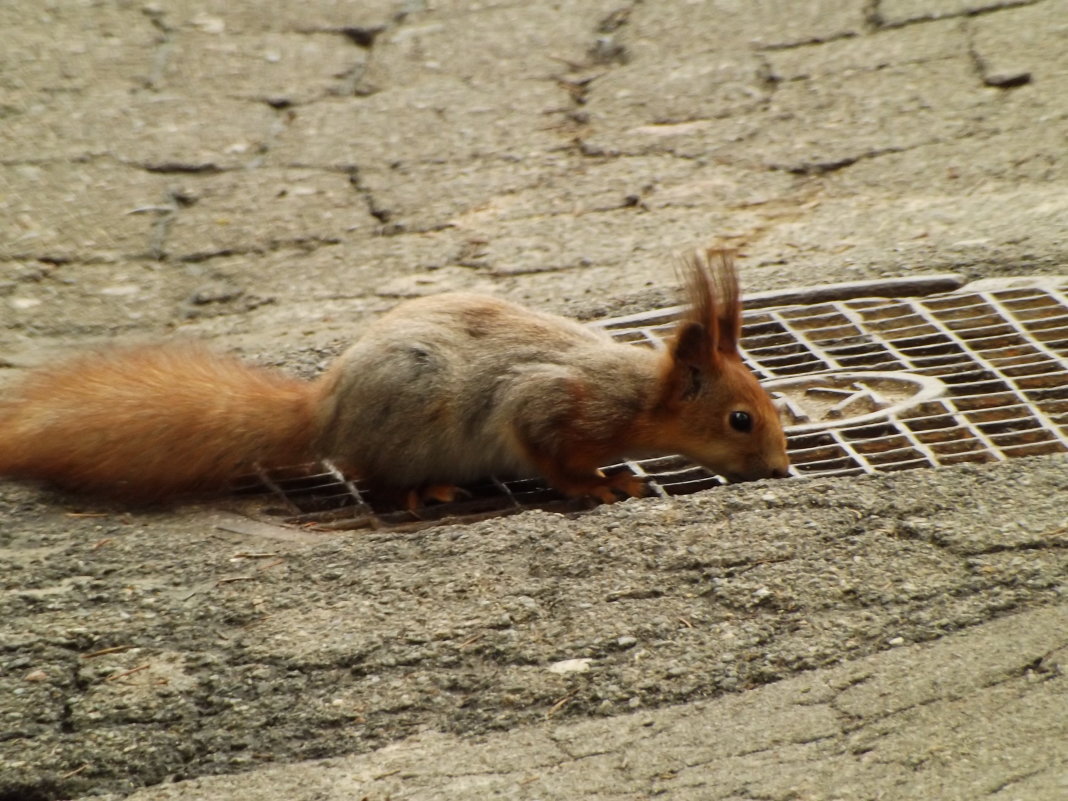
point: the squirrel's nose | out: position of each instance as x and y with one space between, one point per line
780 472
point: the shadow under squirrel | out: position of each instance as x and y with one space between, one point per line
439 391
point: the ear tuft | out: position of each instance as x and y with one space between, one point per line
715 300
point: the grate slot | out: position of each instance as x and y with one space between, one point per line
1022 365
1040 449
1055 324
949 441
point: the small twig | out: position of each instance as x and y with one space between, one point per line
128 672
72 773
561 703
230 579
150 210
269 565
115 649
100 543
88 514
686 622
254 555
471 640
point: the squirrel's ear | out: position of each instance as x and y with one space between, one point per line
692 346
693 356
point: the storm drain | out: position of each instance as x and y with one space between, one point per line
868 381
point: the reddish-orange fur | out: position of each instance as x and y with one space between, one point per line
571 461
706 344
146 423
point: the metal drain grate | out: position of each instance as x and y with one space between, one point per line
868 383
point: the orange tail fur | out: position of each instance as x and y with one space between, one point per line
152 422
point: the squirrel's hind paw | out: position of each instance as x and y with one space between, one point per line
442 493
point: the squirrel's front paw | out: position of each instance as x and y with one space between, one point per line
610 488
629 484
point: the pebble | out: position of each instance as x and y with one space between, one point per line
570 666
1007 79
120 290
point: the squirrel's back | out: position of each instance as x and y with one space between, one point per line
150 422
435 391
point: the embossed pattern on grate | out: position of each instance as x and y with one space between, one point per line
867 384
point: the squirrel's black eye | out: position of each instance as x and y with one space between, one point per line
741 421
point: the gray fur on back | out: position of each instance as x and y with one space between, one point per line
443 388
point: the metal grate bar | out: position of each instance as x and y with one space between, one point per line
652 480
853 454
904 361
827 362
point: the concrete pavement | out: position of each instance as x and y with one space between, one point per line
270 176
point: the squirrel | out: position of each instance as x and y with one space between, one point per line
439 391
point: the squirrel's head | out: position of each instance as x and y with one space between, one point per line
711 407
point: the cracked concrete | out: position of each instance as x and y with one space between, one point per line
272 176
911 723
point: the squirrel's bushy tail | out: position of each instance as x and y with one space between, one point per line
148 423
